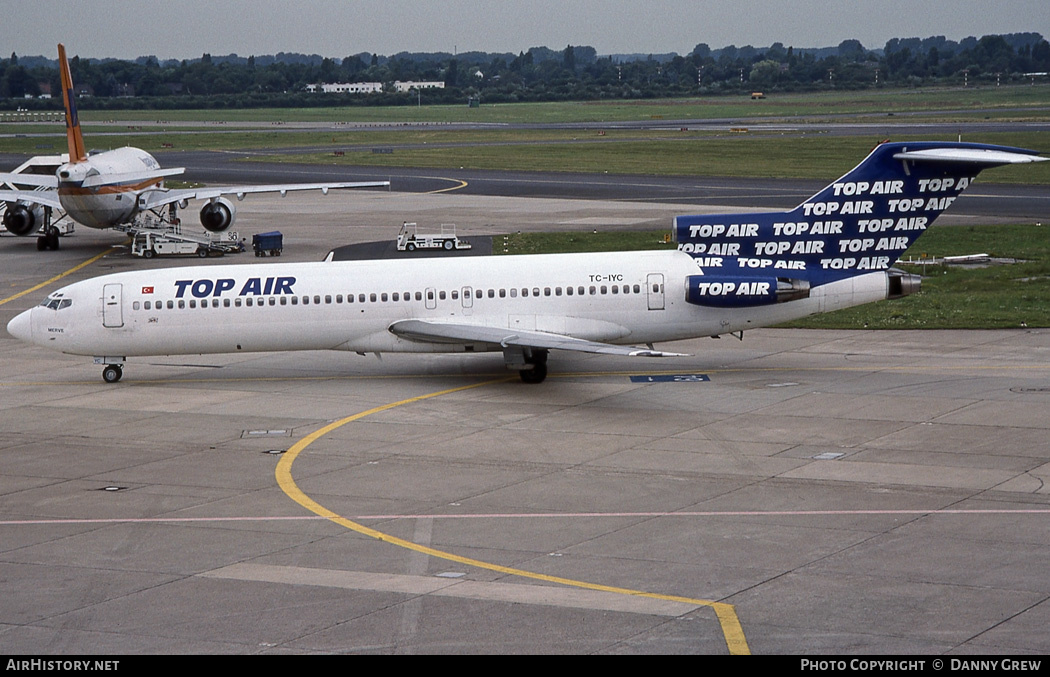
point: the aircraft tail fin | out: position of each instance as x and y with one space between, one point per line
859 224
77 151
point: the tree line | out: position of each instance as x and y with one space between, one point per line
539 74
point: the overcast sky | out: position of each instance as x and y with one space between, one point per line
188 28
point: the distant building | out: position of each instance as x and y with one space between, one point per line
408 86
346 87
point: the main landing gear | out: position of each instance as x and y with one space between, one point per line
531 363
48 240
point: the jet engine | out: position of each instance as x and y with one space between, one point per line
218 215
23 218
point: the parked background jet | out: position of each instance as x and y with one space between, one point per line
113 188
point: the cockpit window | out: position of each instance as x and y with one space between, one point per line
57 303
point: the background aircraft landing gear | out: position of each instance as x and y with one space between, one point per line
111 373
538 372
49 239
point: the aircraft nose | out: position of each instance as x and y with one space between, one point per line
21 327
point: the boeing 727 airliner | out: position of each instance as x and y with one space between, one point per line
730 273
114 187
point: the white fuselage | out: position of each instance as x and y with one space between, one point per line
116 201
618 298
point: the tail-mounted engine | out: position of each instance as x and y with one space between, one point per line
901 283
743 291
218 215
23 218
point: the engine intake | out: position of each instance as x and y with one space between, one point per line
218 215
23 218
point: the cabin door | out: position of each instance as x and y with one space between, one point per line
112 306
654 290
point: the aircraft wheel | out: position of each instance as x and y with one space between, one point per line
52 238
535 375
41 243
112 373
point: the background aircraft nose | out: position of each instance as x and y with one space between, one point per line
21 327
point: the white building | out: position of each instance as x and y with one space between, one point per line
408 86
347 88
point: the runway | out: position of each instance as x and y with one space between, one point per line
797 492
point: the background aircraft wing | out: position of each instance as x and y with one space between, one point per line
159 198
460 332
48 198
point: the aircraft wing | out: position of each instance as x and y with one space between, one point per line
460 332
159 198
38 180
47 198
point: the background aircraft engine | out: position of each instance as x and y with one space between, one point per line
218 215
23 218
743 291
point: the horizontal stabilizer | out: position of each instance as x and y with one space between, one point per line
448 332
978 156
38 180
98 180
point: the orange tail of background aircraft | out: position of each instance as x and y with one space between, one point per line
77 152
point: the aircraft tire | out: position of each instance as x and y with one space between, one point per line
535 375
41 243
111 373
52 238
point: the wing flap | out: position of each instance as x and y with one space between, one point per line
460 332
48 198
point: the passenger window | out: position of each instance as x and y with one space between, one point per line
492 293
536 291
327 299
557 291
604 289
524 292
182 304
419 296
615 289
546 291
135 305
237 302
248 301
338 298
455 294
383 297
295 300
171 305
284 300
637 289
395 297
372 297
361 298
273 301
226 303
579 290
568 291
441 295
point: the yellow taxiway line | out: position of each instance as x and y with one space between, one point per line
726 613
59 276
